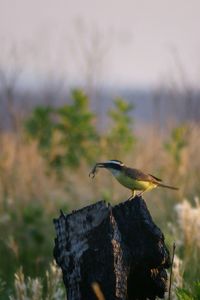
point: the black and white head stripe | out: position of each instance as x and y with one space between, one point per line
112 164
115 162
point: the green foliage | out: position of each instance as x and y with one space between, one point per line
177 142
65 135
26 240
120 138
192 293
2 286
40 126
77 135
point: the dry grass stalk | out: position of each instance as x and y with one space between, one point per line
97 291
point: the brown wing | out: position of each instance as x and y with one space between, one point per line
156 178
139 175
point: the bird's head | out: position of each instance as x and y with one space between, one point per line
112 164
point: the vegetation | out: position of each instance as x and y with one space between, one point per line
120 138
53 150
192 293
65 135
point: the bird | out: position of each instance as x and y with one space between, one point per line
133 179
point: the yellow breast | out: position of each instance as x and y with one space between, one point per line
133 184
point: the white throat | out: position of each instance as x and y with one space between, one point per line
116 173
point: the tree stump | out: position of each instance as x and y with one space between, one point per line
119 248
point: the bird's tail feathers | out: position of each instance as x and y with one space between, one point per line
168 186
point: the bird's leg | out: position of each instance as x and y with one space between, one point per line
141 193
132 196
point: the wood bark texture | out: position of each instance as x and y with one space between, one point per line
119 249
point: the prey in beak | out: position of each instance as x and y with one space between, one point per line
111 165
95 169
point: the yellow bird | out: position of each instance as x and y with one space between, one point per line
133 179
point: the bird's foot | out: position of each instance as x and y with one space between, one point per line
131 197
140 194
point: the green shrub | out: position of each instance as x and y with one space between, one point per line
120 138
176 143
65 135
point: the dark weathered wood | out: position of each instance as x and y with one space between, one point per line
118 247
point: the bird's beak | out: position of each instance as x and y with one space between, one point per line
101 165
95 169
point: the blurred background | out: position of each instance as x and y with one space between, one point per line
79 81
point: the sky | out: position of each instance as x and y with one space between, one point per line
111 42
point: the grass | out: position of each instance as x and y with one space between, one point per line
31 196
